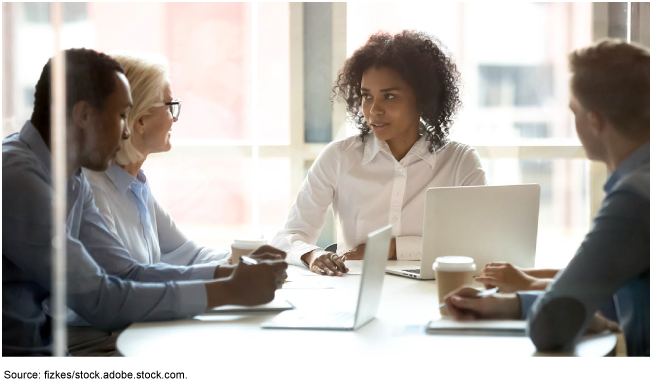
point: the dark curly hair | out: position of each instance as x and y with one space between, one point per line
421 62
89 77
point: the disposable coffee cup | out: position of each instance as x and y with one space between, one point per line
452 272
244 247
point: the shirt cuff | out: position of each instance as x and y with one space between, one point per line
193 298
203 272
408 247
527 299
296 252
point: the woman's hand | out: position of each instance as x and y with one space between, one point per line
507 277
325 263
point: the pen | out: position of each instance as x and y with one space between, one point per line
343 258
248 260
486 293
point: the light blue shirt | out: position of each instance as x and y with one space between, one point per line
146 230
612 262
104 285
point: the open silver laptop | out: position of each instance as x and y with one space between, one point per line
372 280
487 223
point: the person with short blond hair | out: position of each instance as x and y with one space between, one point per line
122 192
610 98
149 74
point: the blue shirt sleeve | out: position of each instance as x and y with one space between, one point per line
527 299
107 302
176 248
107 250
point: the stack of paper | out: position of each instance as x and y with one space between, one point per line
276 305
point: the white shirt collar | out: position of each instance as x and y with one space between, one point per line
122 179
420 149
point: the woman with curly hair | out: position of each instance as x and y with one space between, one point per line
402 93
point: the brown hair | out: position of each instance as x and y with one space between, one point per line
612 77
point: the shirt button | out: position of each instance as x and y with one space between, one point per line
395 219
400 169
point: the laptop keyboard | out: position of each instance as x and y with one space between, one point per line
412 270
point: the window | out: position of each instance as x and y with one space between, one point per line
40 12
519 86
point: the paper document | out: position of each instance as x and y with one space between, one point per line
354 267
276 305
477 327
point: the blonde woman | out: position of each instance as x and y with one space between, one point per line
122 192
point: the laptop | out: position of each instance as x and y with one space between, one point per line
372 280
487 223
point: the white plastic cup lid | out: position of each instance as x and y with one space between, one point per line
248 243
454 264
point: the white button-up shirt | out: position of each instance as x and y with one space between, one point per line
368 188
147 231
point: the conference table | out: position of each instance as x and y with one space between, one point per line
407 305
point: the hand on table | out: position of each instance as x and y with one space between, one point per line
506 276
325 263
600 323
463 304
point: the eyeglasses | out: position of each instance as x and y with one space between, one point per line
174 107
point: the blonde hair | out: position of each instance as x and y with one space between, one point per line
148 75
612 77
